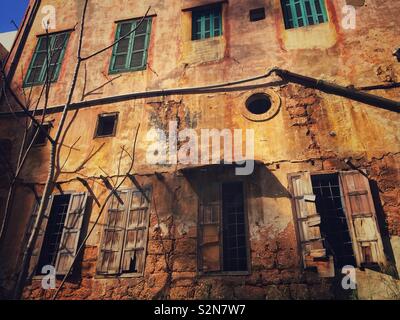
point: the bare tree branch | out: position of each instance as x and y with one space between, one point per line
51 174
111 193
122 38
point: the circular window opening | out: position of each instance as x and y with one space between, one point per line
258 103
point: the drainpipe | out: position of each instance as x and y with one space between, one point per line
332 88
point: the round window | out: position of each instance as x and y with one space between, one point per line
261 106
258 103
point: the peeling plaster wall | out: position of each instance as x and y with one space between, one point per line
312 131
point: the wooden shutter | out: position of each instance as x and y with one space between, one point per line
39 240
210 229
308 225
131 52
360 211
71 232
135 241
37 70
113 235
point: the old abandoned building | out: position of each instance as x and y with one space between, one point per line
324 192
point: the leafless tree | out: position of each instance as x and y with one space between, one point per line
56 144
31 129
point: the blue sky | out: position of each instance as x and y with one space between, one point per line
11 10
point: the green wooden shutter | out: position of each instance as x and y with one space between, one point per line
207 22
299 13
42 57
71 233
130 54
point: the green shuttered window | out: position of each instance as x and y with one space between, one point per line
207 22
130 54
47 59
300 13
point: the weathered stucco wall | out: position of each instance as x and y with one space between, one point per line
312 131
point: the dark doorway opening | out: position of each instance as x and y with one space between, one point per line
234 230
334 226
54 230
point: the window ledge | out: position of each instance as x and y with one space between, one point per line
110 72
196 4
124 275
224 273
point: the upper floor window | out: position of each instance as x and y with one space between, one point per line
300 13
207 22
130 54
47 59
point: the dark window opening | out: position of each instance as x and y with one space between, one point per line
106 125
41 137
334 226
234 227
54 230
258 103
132 265
257 14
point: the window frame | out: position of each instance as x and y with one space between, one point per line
45 124
106 114
202 13
346 210
130 52
221 242
59 63
34 272
257 14
291 21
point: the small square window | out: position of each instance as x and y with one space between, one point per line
106 125
41 137
257 14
